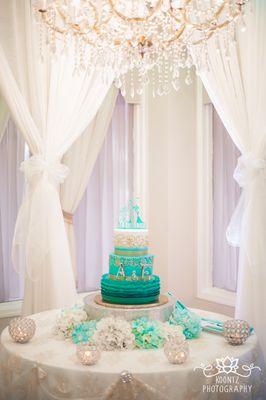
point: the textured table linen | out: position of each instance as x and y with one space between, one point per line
47 368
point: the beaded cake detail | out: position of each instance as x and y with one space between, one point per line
131 238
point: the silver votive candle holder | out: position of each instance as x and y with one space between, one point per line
22 329
236 331
176 349
88 353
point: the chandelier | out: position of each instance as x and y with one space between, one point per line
140 41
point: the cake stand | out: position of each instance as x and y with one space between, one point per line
96 308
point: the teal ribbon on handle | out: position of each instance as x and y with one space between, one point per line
216 326
186 318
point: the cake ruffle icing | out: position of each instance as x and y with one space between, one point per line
130 291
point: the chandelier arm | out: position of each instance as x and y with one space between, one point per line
134 19
103 22
221 8
218 27
171 13
200 41
70 26
227 22
75 26
177 35
205 25
50 25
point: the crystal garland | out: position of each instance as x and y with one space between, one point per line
141 41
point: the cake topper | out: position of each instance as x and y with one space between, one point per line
130 216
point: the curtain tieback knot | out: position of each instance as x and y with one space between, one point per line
37 165
249 167
39 210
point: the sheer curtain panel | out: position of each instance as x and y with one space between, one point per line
80 160
236 84
4 115
12 153
52 107
226 193
110 187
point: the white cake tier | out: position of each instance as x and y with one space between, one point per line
131 238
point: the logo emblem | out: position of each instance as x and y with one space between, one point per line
227 365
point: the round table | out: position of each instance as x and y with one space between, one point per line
47 368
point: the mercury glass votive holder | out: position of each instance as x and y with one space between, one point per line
22 329
236 331
88 353
176 349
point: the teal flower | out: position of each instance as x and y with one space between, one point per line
148 334
190 322
84 331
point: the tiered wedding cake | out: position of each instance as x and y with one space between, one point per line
130 279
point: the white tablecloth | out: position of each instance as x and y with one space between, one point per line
47 368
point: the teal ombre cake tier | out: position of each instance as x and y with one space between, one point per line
130 291
138 266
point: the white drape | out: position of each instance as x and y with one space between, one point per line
51 107
4 115
236 84
80 160
12 152
110 187
226 193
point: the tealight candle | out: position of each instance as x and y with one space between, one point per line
22 329
88 353
176 349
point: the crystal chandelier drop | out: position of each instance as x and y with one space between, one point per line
141 41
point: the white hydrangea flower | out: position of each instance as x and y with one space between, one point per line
114 334
68 319
173 330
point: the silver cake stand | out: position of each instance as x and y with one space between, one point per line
96 308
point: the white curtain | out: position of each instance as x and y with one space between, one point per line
110 187
236 84
52 108
4 115
12 153
226 193
80 160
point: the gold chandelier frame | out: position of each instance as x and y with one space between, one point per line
208 27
